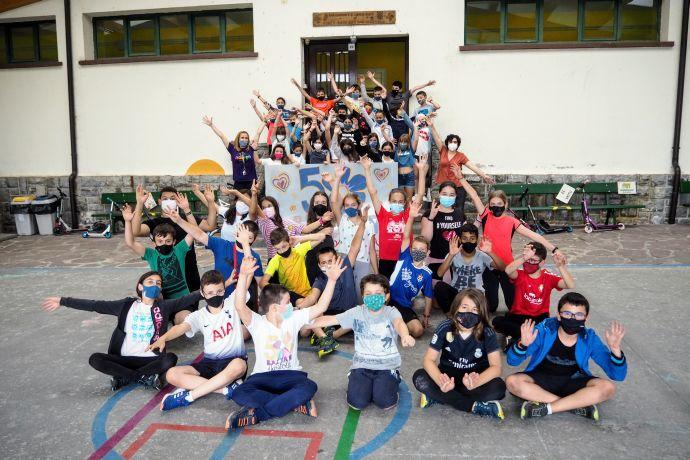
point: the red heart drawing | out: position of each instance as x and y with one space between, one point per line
281 182
448 234
381 174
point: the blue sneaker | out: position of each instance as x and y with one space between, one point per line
488 409
232 387
175 399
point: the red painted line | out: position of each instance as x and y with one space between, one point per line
130 424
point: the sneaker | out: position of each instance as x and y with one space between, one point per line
488 409
118 382
329 331
532 409
425 401
244 416
232 387
151 381
175 399
590 412
307 409
328 346
314 340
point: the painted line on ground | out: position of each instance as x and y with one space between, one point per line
347 435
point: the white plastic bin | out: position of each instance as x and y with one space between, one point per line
44 207
20 207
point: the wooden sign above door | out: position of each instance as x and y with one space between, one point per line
354 18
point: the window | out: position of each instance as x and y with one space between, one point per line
549 21
174 34
28 42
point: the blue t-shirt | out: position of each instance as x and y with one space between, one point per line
407 280
345 292
405 158
224 259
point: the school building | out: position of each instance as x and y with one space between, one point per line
97 96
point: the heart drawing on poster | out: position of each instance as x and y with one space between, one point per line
381 174
281 182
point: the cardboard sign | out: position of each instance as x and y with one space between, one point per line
565 194
627 188
294 186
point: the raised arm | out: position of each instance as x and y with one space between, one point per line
210 223
453 250
438 140
208 121
357 238
527 233
336 204
257 137
258 113
384 91
422 86
478 171
486 247
139 229
428 222
561 265
299 87
138 248
265 103
373 194
363 89
333 274
336 90
414 211
247 269
472 193
192 229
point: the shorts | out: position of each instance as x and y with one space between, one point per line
209 368
408 314
560 385
406 180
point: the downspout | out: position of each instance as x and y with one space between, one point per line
675 188
72 120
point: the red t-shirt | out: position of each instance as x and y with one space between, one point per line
444 172
324 106
391 230
533 295
500 231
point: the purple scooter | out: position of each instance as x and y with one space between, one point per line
590 224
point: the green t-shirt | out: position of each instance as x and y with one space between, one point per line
171 268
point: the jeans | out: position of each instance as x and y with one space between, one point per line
378 386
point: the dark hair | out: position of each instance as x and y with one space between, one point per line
270 294
354 85
231 213
539 249
367 103
397 83
211 277
280 98
252 227
143 277
320 89
352 155
447 184
311 215
284 159
478 298
421 92
450 137
281 130
378 88
326 250
163 230
468 228
276 219
397 190
375 279
168 188
278 235
389 144
575 299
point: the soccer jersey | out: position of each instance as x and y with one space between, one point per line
222 331
407 280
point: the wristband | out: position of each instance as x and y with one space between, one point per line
553 251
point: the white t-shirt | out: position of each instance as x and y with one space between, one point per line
347 230
229 231
276 349
222 332
424 142
139 331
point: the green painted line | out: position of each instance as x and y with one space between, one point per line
347 436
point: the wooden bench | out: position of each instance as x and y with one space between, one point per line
608 189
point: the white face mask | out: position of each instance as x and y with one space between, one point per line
453 146
169 205
318 146
280 137
241 208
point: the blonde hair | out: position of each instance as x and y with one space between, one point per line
499 194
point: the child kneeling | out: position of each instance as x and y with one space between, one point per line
469 375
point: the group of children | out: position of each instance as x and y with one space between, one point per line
371 278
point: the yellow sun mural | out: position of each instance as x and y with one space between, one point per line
205 167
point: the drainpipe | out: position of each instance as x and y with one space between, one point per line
72 120
675 188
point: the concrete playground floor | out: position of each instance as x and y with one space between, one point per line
54 405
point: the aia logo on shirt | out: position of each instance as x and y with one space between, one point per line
222 332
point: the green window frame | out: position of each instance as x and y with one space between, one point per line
191 32
623 22
41 51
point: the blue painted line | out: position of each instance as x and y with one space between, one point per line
225 446
625 265
98 433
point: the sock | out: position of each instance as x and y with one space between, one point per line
189 397
548 408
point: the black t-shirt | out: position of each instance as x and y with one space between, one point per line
191 269
446 225
560 360
460 356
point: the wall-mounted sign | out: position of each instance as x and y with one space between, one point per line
353 18
627 188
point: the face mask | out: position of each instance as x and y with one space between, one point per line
320 209
347 149
280 137
469 247
395 92
373 144
403 146
397 208
241 208
422 124
350 212
243 143
169 205
388 153
318 146
342 116
215 301
354 96
285 254
280 106
374 302
325 268
347 126
446 201
453 146
270 212
379 122
296 154
152 292
530 268
572 326
164 249
377 98
288 311
497 211
418 255
321 98
422 102
467 319
278 155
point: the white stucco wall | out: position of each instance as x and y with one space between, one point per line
565 111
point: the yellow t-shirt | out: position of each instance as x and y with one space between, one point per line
292 272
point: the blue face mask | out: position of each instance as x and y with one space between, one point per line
243 144
380 122
152 292
397 208
280 106
355 96
350 212
288 311
373 144
403 146
374 302
446 201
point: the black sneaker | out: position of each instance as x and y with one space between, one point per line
118 382
151 381
244 416
328 346
590 412
531 409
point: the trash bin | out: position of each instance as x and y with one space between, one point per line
44 207
20 207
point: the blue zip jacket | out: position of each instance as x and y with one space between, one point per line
588 345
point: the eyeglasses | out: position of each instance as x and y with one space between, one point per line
569 315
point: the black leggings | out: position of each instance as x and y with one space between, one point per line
444 294
460 397
460 197
132 367
509 324
492 278
387 267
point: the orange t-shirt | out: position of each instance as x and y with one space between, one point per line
444 172
325 106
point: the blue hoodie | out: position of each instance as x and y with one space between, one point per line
588 345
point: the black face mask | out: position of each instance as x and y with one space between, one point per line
164 249
342 116
395 92
215 301
572 326
467 319
497 211
469 247
347 149
285 254
321 98
320 209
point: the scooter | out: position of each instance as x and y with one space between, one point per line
60 227
590 224
541 226
103 229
